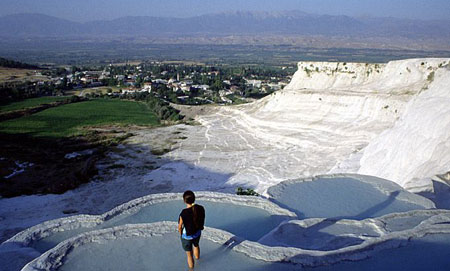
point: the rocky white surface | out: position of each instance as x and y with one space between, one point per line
418 146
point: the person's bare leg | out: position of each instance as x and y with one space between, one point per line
190 259
197 252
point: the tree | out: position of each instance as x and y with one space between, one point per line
218 84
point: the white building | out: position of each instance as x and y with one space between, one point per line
254 83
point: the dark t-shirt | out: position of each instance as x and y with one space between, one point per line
188 219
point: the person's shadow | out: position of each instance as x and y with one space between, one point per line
224 248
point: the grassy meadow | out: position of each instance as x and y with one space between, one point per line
30 103
68 120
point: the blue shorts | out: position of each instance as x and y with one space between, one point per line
187 244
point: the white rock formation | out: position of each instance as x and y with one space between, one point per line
320 123
418 146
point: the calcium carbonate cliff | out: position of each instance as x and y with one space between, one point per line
418 146
397 113
331 118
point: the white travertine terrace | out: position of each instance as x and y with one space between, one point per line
309 242
35 233
436 223
385 187
21 246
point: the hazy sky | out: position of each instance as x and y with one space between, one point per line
87 10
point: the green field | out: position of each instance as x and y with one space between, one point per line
66 120
30 103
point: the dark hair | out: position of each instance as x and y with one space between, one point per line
189 198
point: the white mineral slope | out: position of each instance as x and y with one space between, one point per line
354 100
418 146
329 112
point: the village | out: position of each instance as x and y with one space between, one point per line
176 83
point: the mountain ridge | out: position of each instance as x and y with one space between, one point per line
239 23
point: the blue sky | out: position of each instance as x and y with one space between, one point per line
87 10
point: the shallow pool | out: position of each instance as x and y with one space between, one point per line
344 197
250 223
163 252
159 253
431 252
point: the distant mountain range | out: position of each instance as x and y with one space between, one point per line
231 23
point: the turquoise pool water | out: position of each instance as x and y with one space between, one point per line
247 222
430 253
160 253
343 197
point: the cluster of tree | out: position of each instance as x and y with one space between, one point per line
190 98
10 92
266 73
163 109
246 192
15 64
251 92
110 82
